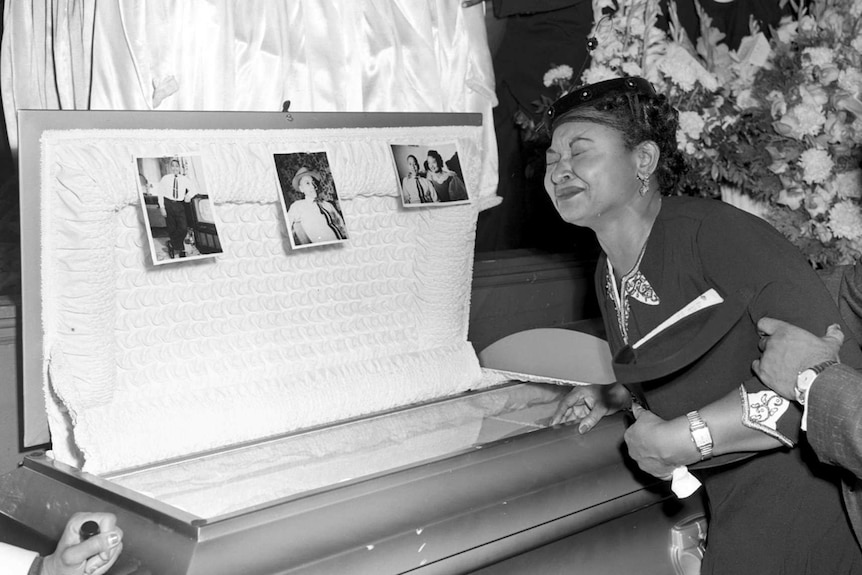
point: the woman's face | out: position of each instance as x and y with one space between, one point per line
432 164
590 173
306 186
413 164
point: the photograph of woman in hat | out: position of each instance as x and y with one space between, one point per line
312 210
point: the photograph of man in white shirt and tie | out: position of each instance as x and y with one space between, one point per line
174 191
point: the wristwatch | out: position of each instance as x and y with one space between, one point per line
807 376
700 434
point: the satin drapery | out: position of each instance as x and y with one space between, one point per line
322 55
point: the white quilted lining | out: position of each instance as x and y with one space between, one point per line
146 363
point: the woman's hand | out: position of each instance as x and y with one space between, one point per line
587 404
91 557
659 446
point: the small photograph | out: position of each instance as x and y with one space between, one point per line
309 200
179 215
429 175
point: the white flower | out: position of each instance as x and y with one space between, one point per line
829 74
802 120
835 129
741 77
845 219
778 167
723 65
833 21
847 184
558 75
790 198
816 165
850 79
816 203
807 23
598 73
682 76
685 145
609 47
637 27
631 69
745 100
813 94
633 52
681 140
691 123
728 121
827 192
787 29
823 233
778 105
819 55
684 70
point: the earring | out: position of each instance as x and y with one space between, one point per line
644 185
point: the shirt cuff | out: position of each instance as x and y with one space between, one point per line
16 560
804 424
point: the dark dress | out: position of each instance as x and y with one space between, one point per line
775 512
450 189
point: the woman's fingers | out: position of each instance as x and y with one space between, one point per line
580 406
570 408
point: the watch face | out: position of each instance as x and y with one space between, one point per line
805 378
701 437
803 382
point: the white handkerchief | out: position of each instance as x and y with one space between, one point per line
683 483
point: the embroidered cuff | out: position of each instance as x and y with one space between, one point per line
762 410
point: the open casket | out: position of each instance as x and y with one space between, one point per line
276 409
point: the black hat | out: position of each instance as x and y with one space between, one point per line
592 92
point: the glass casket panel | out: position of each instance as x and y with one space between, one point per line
234 479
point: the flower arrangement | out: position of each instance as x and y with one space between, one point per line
774 126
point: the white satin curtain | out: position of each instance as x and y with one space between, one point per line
322 55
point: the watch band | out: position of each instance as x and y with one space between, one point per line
820 367
700 434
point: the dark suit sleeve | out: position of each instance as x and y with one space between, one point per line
835 417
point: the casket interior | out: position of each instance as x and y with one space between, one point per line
145 361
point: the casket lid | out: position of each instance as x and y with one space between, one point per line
141 363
